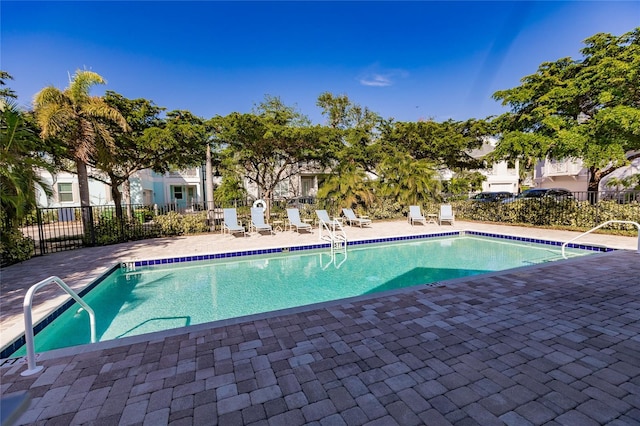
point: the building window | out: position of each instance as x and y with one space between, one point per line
65 192
177 192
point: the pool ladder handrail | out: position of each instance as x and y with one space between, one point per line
336 237
32 368
628 222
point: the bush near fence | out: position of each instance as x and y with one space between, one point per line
564 214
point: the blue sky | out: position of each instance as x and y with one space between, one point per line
403 60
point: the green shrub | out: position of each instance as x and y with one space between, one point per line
195 223
383 208
110 230
15 247
170 223
566 214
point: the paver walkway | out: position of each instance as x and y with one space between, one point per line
551 344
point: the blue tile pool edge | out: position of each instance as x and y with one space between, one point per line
20 341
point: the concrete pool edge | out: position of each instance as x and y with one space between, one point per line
15 343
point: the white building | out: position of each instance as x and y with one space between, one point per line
500 176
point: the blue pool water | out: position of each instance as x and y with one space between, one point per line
161 297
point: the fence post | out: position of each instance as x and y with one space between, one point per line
41 242
89 227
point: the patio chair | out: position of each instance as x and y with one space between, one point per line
351 218
415 215
257 221
294 220
230 222
446 214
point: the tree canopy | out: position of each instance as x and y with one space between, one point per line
271 145
153 142
78 120
587 108
19 158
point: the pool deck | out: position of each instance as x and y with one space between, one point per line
548 344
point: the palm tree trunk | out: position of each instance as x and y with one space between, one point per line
85 203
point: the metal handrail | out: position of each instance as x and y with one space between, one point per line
337 241
600 226
32 368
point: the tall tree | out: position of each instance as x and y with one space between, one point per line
356 126
408 180
587 108
79 121
19 158
271 143
156 143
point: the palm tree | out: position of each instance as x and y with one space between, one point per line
349 185
407 180
78 120
18 163
18 158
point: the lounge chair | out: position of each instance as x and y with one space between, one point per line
446 214
351 218
230 222
257 220
415 215
294 220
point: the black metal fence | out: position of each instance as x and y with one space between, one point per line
578 211
67 228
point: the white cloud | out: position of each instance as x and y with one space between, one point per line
374 77
376 80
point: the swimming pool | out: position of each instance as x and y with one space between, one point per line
166 294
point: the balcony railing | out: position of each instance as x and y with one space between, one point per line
562 169
184 173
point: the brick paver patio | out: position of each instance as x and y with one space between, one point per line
550 344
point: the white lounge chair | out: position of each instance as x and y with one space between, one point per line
257 220
415 215
294 220
230 222
351 218
446 214
324 219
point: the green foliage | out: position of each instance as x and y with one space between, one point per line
465 182
15 247
170 223
348 186
566 214
195 223
78 120
19 161
229 190
408 181
585 109
384 208
174 223
444 144
270 145
112 230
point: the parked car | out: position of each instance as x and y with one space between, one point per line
489 197
557 194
